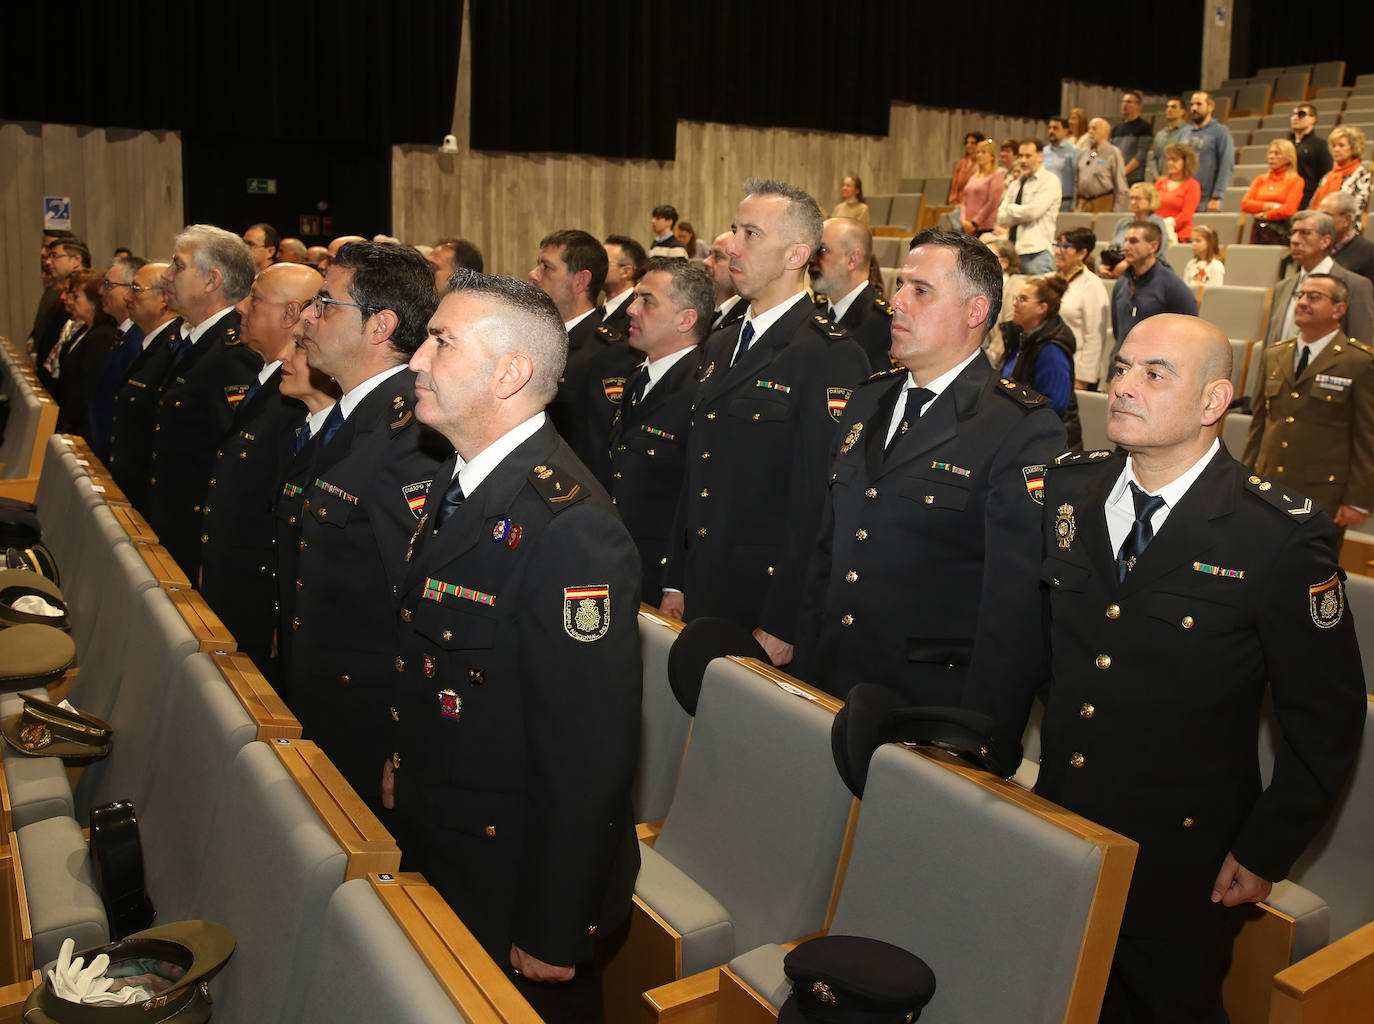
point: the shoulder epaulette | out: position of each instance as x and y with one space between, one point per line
1361 346
556 487
1021 394
882 306
820 300
401 411
1283 498
828 328
886 374
1077 458
1285 341
609 333
231 337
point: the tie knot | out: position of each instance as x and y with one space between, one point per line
1146 505
916 398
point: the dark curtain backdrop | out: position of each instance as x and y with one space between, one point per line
610 80
1334 30
344 71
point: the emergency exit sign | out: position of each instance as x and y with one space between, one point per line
262 186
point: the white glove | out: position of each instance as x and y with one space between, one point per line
32 604
89 985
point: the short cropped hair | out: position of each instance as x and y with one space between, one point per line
217 249
1148 228
692 288
670 212
802 218
271 237
394 277
534 325
632 250
980 273
74 246
581 251
1322 221
465 254
133 264
1340 291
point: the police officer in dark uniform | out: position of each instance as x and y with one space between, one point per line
669 318
515 708
625 262
925 573
366 489
730 308
839 272
135 401
210 373
238 553
1181 587
773 390
318 394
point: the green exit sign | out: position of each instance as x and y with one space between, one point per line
262 186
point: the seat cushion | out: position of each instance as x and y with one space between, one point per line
38 789
708 936
761 969
63 901
1310 913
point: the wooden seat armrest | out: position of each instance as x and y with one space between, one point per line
648 831
1335 984
690 1000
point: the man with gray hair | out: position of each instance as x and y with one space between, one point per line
839 271
1309 244
1349 248
210 372
519 597
115 301
773 389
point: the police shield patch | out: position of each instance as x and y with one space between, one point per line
614 387
587 611
1035 482
835 401
414 495
1327 601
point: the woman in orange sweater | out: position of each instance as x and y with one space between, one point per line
1178 189
1274 197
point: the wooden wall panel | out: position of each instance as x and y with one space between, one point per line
125 188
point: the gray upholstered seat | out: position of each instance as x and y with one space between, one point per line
1237 310
1092 413
271 868
1359 593
367 970
757 819
663 723
955 873
63 900
1256 265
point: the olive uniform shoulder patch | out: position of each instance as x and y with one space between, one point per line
1076 458
556 487
1361 346
608 333
1021 394
401 411
1282 497
828 329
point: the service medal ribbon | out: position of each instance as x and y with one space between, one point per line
773 386
436 590
338 492
658 433
949 467
1216 570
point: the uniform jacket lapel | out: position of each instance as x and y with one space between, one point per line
761 352
940 423
1323 362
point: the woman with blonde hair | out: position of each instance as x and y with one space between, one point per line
1205 268
1273 198
1178 188
982 192
1349 174
1143 202
1078 127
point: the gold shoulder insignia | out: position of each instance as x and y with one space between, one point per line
1281 496
609 333
231 337
887 374
832 331
401 413
1021 394
1077 458
556 487
1362 346
883 307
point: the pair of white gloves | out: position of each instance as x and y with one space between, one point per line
80 983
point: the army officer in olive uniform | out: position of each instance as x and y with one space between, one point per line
1313 424
1181 589
516 710
926 572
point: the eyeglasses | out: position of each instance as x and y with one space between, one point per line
1024 298
107 285
136 288
1311 296
320 301
1065 246
1299 113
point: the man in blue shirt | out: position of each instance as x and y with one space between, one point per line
1216 151
1061 159
1148 286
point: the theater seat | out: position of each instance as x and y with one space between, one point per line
663 722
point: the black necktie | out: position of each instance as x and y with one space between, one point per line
1146 505
179 347
746 337
916 398
1303 360
448 504
332 423
830 312
639 383
1011 235
302 436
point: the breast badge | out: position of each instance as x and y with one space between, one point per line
450 704
414 495
835 401
1327 601
851 438
1064 526
500 529
587 611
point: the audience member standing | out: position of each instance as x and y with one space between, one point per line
1132 137
1313 155
1178 189
1101 182
1028 209
1349 173
1148 286
1086 306
1349 248
135 401
982 192
1216 151
852 202
1061 159
1166 137
1273 198
963 169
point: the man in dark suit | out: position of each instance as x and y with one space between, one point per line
1309 244
648 443
625 261
839 272
1180 588
773 390
1349 248
515 704
65 256
135 401
730 308
115 301
934 478
372 468
570 270
210 372
238 557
